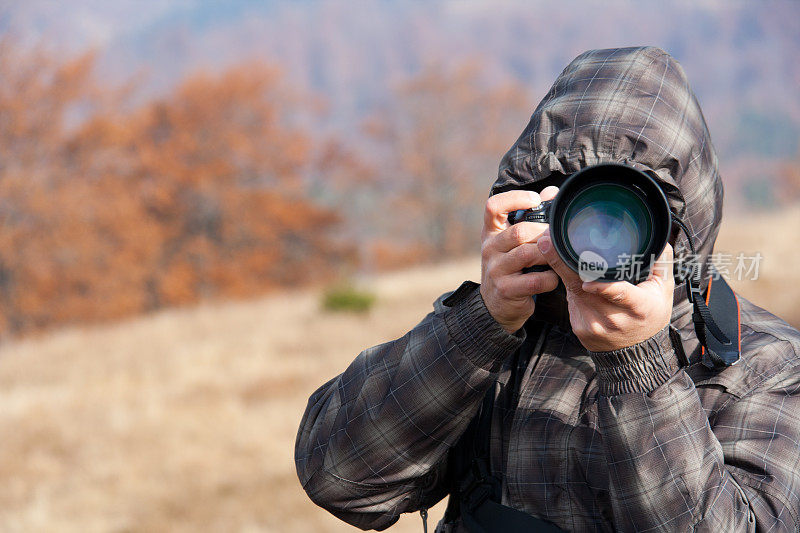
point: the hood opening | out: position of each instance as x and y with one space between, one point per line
632 106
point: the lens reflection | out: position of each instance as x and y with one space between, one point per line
610 221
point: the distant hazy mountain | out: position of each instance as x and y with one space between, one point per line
742 57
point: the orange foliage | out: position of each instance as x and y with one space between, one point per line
107 213
214 190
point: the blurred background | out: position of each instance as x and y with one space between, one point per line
209 208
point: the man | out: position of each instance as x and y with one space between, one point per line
604 416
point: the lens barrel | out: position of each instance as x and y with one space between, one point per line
610 222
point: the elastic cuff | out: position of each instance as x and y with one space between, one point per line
638 368
476 333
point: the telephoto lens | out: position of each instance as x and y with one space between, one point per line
609 222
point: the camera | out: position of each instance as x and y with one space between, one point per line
608 222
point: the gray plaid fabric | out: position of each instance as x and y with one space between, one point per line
616 441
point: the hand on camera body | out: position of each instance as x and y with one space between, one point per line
507 249
604 315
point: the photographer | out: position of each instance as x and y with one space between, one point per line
595 407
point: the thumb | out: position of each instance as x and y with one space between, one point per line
661 272
570 278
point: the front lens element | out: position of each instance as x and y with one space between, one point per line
609 220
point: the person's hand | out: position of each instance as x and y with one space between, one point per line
505 251
607 316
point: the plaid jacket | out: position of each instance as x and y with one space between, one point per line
630 440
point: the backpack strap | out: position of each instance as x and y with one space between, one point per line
477 484
467 469
476 493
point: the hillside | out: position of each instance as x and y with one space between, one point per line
185 420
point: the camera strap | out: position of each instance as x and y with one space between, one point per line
717 313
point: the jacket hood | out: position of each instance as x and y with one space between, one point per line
631 106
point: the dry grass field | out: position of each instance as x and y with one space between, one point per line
185 420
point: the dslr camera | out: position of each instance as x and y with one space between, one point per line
609 222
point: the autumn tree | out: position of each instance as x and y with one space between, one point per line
441 141
39 96
217 189
221 169
109 211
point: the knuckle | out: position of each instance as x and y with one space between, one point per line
518 234
521 254
596 329
492 205
502 287
551 280
542 282
534 284
513 255
529 252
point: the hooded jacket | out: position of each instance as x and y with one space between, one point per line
630 440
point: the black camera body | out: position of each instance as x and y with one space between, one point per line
608 222
540 213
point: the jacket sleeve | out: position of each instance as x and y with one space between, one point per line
373 441
671 471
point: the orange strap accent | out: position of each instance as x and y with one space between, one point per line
708 299
738 316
